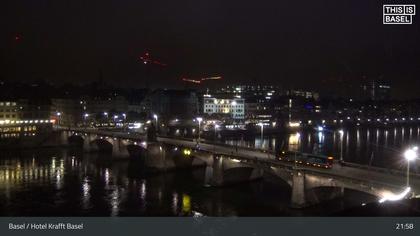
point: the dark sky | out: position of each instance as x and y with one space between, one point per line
313 44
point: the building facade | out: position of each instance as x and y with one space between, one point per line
234 107
9 110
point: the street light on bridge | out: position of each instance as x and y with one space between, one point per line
341 132
58 118
262 131
216 126
199 119
297 148
410 155
156 119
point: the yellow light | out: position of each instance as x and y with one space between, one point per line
187 152
294 124
186 203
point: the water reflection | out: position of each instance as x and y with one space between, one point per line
72 183
359 144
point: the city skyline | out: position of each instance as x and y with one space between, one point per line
201 109
333 45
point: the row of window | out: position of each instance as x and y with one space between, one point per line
7 103
223 110
225 106
17 129
15 135
8 110
8 116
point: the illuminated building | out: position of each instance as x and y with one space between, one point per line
14 124
9 110
234 107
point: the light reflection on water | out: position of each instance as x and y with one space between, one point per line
359 144
62 184
70 183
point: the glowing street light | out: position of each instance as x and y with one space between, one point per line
199 119
58 118
341 132
297 149
216 126
156 119
410 155
262 131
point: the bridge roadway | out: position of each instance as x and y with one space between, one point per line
395 180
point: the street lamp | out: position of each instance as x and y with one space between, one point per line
199 119
410 155
262 130
156 119
58 118
297 148
86 115
216 126
341 132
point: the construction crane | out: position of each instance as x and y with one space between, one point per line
200 80
146 58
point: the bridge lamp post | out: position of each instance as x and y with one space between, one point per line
216 126
85 116
262 131
156 119
410 155
199 119
58 118
297 148
341 132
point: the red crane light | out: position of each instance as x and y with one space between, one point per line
147 59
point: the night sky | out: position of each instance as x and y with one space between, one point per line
333 44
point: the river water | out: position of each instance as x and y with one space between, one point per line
381 147
68 182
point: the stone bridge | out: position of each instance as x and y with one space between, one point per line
225 165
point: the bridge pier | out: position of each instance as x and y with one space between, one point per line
156 157
87 142
298 199
119 148
217 171
225 171
208 176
